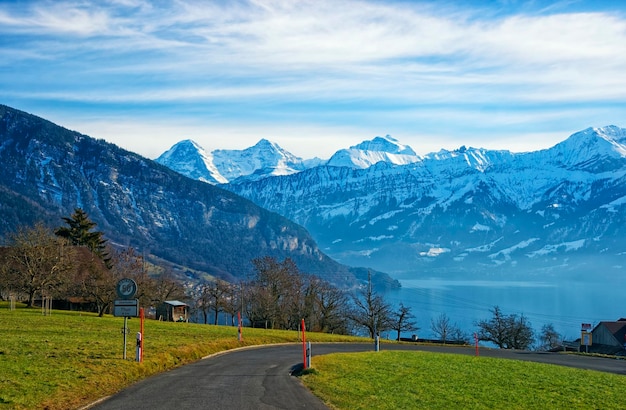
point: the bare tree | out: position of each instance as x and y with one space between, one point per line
280 296
37 262
94 281
370 311
166 287
213 297
329 314
403 320
549 337
275 295
443 328
506 331
233 299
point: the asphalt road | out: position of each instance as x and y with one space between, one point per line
259 378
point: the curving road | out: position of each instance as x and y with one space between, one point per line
259 377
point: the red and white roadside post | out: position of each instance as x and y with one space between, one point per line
139 350
239 336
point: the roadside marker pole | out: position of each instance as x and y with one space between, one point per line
142 316
308 354
138 348
303 344
476 341
239 338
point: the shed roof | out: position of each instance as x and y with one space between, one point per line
175 303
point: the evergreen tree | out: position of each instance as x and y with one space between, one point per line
79 233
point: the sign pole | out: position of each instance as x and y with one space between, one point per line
125 330
126 306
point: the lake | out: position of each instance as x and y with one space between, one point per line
565 304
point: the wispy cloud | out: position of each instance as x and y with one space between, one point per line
394 59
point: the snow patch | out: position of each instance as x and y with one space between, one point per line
566 246
485 248
611 206
506 253
384 216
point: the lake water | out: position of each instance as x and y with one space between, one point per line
565 304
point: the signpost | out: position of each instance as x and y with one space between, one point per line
585 336
126 306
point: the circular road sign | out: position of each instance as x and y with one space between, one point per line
126 288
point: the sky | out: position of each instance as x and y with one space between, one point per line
317 76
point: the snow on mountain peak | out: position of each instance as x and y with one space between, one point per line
188 158
368 153
598 148
264 159
385 144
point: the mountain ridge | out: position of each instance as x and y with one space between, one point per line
467 210
48 171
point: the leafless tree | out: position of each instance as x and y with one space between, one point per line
274 296
370 311
442 328
549 337
403 320
506 331
37 262
213 296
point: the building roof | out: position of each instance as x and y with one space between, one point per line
175 303
617 329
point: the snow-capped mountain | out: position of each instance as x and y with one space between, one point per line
562 209
267 159
368 153
190 159
222 166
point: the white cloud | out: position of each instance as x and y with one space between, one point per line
358 67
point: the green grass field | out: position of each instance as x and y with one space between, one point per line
420 380
67 360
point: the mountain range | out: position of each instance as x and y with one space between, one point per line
202 229
471 211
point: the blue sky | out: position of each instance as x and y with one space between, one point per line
317 76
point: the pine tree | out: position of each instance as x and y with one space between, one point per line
79 233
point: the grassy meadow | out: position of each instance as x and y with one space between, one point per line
68 359
420 380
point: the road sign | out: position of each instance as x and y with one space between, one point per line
126 288
126 308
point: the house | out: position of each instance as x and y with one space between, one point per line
609 337
173 311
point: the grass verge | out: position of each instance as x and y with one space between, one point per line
67 360
420 380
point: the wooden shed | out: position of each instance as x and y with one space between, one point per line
609 337
173 311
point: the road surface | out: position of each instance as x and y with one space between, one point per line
259 378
